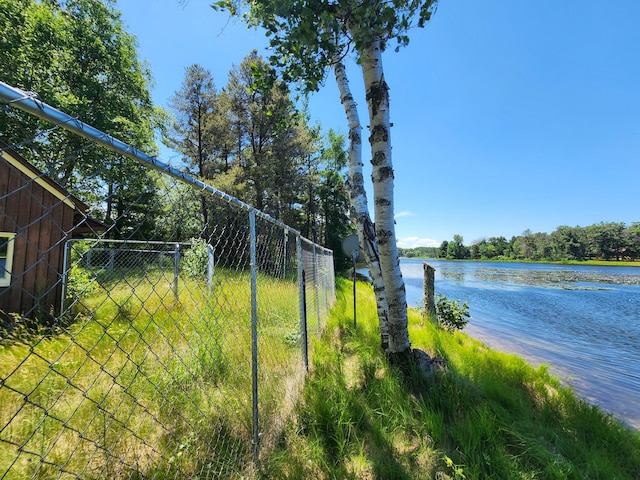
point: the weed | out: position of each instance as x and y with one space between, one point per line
456 470
452 314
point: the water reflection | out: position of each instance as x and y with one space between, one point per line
582 321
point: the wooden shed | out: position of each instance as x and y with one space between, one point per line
37 217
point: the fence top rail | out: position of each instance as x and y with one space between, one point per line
138 242
28 102
319 248
167 252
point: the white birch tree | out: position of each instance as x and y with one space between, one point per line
306 37
359 203
377 93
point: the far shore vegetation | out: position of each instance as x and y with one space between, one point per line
604 243
481 414
408 253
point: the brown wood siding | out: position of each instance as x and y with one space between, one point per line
40 221
59 222
41 233
11 297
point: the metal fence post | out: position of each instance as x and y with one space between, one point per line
66 270
210 266
316 284
302 288
176 269
284 253
254 334
325 271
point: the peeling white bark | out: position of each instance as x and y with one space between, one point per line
358 200
378 102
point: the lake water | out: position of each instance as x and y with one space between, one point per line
581 321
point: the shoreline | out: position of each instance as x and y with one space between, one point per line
591 263
600 377
500 344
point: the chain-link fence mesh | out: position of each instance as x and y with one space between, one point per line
166 340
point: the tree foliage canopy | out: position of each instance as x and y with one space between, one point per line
307 37
248 138
76 56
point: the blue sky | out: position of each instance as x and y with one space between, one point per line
508 115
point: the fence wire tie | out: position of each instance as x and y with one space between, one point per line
253 442
27 94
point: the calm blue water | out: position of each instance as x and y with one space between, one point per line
582 321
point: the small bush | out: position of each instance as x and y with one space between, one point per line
80 282
194 263
451 314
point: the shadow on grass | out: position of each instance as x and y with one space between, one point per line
507 419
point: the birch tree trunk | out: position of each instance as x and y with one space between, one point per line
377 92
358 200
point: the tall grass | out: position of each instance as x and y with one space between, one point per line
488 415
144 383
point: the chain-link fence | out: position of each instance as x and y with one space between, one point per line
170 342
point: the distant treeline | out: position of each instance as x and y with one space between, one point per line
601 241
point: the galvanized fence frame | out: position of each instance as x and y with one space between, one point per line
276 252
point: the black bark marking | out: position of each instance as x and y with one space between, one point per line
378 159
385 173
377 94
356 191
383 237
348 97
369 228
380 133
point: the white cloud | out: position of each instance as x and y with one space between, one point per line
413 242
404 213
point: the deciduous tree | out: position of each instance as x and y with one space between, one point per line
359 203
307 37
76 56
456 248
